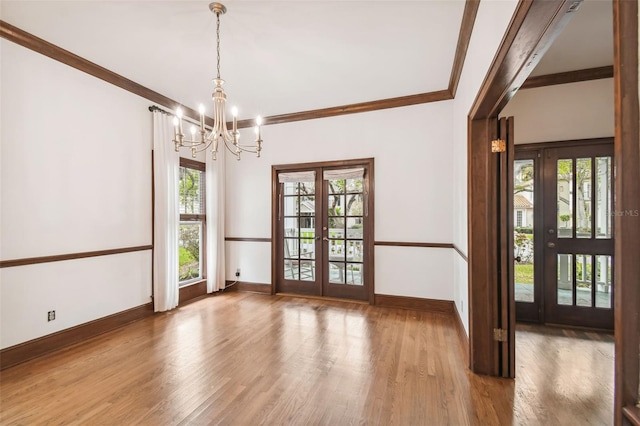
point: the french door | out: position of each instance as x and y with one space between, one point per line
324 229
563 239
578 236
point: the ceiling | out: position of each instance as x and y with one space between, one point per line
281 57
586 41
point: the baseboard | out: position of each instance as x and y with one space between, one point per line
248 287
43 345
191 292
414 303
462 335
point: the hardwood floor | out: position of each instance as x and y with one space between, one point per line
245 359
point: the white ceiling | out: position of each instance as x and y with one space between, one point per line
277 56
586 41
287 56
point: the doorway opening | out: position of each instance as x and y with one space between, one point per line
563 233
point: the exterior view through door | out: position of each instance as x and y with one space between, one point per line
563 243
323 229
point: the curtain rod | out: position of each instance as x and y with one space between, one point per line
155 108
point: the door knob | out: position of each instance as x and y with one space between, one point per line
551 245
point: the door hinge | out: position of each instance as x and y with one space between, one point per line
498 145
500 335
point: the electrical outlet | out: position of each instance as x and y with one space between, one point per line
237 272
51 315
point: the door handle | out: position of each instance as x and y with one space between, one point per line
325 238
551 244
317 238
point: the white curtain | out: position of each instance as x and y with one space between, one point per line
166 167
215 188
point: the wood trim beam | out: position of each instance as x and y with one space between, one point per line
412 244
421 98
248 239
25 39
414 303
43 345
461 253
71 256
466 29
626 227
568 77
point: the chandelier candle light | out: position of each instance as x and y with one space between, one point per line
219 130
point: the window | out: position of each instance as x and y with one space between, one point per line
519 218
192 222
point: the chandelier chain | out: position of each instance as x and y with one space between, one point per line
218 40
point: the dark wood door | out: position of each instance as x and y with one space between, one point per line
578 236
323 228
527 221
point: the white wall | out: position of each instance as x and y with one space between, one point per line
413 192
563 112
490 25
76 177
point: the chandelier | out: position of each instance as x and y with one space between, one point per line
219 132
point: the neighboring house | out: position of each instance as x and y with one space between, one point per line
523 212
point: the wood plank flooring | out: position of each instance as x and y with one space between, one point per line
247 359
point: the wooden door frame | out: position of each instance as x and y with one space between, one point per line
369 229
534 25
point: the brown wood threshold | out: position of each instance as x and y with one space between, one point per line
248 239
412 244
43 345
462 255
466 28
332 299
568 77
420 98
25 39
414 303
70 256
632 414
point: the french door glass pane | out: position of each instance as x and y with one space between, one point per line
583 198
603 197
299 231
565 198
336 272
604 281
523 203
565 279
291 205
345 211
354 273
583 280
